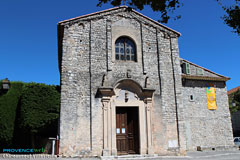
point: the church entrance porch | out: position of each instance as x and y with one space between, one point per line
127 130
127 118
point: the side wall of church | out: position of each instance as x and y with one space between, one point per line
206 128
88 54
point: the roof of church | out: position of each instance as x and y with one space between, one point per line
233 90
116 8
209 76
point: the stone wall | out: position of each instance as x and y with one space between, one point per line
87 62
88 55
194 70
209 129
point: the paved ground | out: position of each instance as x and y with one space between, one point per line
223 155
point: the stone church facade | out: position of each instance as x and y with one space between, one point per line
125 90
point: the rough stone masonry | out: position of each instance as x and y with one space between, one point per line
159 97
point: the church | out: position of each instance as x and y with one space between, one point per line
125 90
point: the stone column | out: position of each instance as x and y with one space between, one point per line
106 94
148 109
143 129
105 102
109 128
113 127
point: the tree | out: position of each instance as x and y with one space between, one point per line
232 17
8 106
40 105
234 102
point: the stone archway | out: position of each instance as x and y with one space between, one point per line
126 93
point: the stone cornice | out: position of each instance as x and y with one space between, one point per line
105 92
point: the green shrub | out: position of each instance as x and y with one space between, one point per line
28 109
8 106
40 105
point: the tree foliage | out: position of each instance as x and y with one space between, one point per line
40 105
28 109
8 106
234 98
232 17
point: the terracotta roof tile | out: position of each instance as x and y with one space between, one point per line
195 77
233 90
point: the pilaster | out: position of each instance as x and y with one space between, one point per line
148 110
106 94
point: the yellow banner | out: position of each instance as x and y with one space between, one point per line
211 98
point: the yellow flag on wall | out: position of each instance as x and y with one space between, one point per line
211 98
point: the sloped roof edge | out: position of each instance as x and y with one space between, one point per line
194 77
115 8
233 90
224 77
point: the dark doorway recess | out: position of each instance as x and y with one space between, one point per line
127 130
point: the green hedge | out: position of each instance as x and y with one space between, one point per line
40 105
8 105
28 108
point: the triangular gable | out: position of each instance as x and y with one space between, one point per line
200 73
117 9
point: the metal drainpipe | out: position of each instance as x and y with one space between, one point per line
175 96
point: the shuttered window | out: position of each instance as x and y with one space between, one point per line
199 71
188 69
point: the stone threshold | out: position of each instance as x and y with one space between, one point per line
133 157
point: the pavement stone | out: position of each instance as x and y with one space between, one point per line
214 155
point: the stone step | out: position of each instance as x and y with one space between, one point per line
128 157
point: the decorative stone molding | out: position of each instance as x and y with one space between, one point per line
106 94
148 93
148 110
109 98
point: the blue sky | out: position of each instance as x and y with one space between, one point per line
28 37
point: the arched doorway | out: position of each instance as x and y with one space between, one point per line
127 118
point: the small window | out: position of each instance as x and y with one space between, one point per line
125 49
188 70
199 71
183 67
191 98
